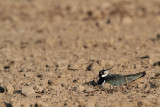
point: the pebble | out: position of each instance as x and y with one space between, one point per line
10 89
80 101
144 103
150 61
43 104
80 88
1 89
73 66
127 20
28 90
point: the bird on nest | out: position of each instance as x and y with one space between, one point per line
117 79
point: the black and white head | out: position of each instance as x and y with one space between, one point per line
103 73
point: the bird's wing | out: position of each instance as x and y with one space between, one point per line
115 79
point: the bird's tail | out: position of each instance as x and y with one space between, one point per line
134 77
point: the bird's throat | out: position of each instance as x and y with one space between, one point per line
101 81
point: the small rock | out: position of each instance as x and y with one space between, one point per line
28 90
158 36
74 89
6 67
80 88
150 61
10 89
107 86
140 85
1 89
145 57
156 63
43 104
127 20
145 103
75 80
29 74
62 65
80 101
50 82
73 67
39 89
140 104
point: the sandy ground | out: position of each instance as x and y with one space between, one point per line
50 48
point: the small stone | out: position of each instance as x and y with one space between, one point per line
49 82
158 36
73 67
80 101
62 65
89 67
54 81
156 63
29 74
140 85
43 104
106 86
80 88
145 57
74 89
28 90
127 20
39 89
145 103
139 103
75 80
1 89
150 61
10 89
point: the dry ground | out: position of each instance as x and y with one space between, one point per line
50 48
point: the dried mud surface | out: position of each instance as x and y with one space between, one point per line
49 49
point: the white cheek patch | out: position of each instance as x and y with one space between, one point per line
105 74
103 83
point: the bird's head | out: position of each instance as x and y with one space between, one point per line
103 73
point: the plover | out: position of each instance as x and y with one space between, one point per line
117 79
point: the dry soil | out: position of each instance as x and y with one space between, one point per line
50 48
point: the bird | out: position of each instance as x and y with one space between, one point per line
118 79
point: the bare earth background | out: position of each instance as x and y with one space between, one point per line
50 48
